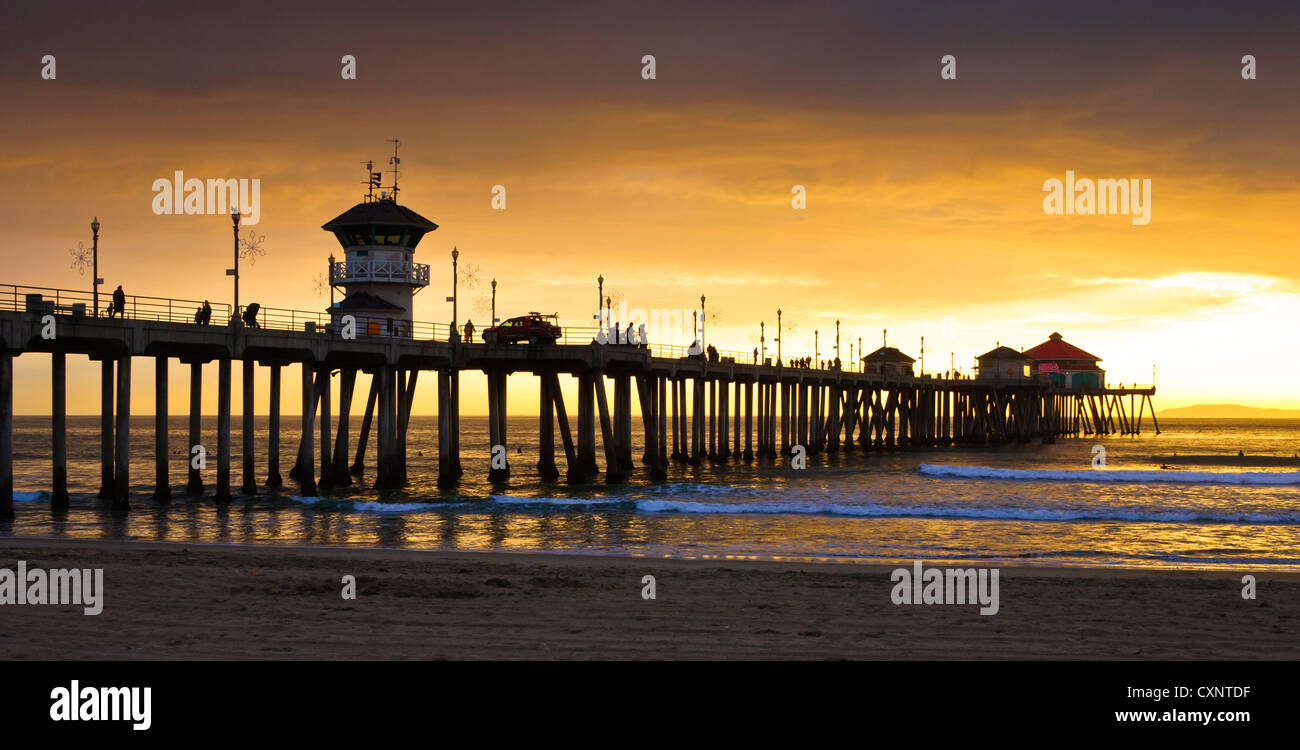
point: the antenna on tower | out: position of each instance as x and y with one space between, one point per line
372 181
395 161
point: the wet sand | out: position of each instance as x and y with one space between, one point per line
176 601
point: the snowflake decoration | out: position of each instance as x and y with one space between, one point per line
81 258
468 275
483 304
251 248
318 285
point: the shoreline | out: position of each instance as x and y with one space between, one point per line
1035 566
167 600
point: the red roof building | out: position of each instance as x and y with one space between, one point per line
1067 364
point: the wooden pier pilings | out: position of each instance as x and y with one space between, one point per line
691 411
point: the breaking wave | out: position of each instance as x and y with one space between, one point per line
1105 475
366 506
880 510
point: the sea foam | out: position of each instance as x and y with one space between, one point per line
560 501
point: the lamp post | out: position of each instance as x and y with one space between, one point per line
234 221
923 356
455 255
600 295
96 281
860 354
762 340
837 339
494 301
701 320
817 351
331 280
778 336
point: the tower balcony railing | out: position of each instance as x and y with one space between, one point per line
398 271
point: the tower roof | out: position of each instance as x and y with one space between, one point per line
1004 352
383 211
366 301
888 354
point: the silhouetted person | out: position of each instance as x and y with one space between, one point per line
119 302
204 314
629 337
250 315
469 331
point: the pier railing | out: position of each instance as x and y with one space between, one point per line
51 301
79 302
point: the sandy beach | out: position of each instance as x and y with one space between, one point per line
176 601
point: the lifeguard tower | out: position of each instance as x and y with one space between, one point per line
378 277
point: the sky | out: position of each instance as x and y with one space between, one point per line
924 196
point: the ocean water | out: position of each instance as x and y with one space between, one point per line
1028 504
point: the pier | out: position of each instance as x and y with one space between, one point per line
693 409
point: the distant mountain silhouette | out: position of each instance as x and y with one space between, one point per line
1227 411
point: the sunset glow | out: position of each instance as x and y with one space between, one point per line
924 197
